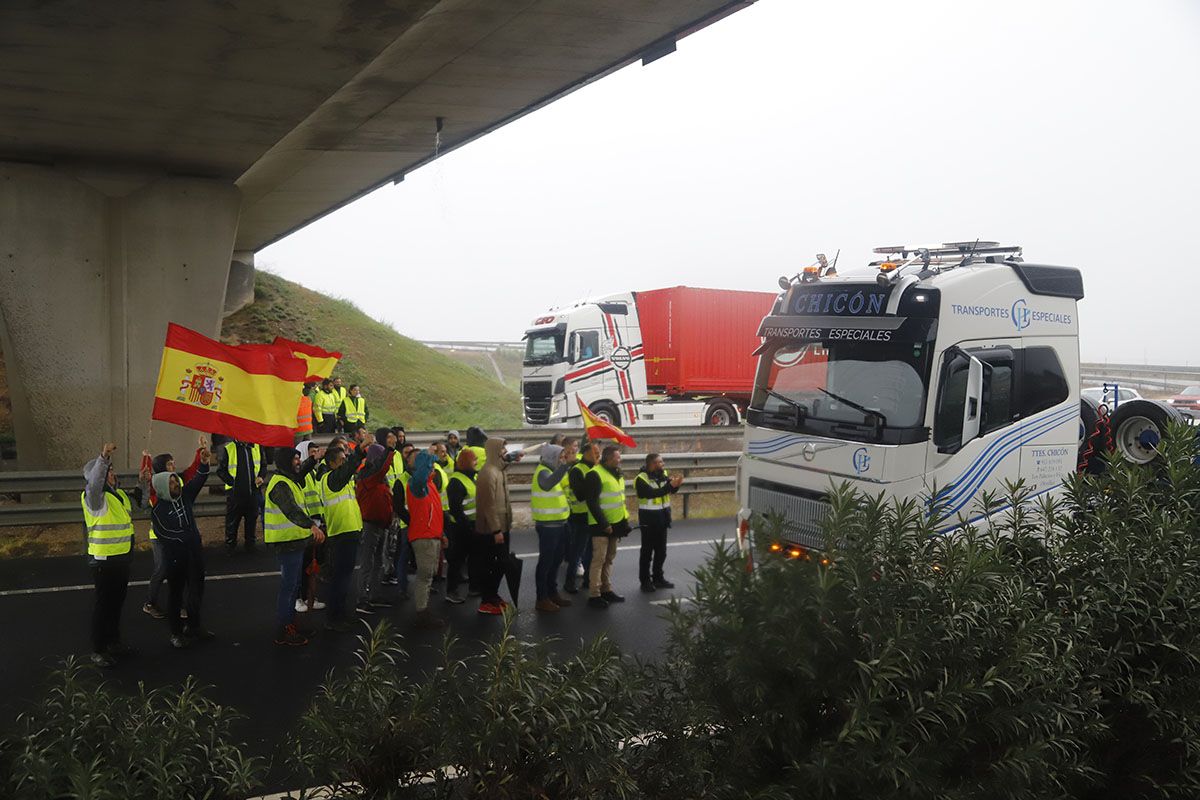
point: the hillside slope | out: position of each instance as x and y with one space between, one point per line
404 382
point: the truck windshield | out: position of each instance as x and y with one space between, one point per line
543 348
848 389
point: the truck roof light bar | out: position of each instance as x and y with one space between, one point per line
939 259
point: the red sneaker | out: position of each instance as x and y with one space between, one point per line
291 637
491 608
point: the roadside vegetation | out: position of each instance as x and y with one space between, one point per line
1056 655
404 381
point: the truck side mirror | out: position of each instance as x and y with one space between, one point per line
571 348
973 407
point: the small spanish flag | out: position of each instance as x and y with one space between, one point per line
597 428
247 393
320 362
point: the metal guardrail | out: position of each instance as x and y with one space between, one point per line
207 505
1141 376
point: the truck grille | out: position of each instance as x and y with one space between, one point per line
803 512
537 401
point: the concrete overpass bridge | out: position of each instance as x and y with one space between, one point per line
148 149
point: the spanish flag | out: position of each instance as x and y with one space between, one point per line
320 362
247 393
597 428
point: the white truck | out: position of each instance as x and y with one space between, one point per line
945 373
674 356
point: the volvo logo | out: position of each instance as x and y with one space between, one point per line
621 357
861 460
1020 315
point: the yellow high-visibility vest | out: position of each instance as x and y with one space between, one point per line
231 457
109 533
276 525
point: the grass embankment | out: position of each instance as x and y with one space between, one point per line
404 381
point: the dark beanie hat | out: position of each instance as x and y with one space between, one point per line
381 435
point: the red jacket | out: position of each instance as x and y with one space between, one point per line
374 495
424 513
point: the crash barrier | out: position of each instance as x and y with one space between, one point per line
29 490
1143 377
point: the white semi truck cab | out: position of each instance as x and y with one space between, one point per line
944 372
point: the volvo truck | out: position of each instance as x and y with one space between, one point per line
946 372
674 356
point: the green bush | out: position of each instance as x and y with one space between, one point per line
511 722
1054 655
86 741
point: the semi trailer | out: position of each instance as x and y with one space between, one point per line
946 372
673 356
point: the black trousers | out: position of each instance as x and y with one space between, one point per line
456 554
239 509
111 579
326 426
492 560
653 553
185 582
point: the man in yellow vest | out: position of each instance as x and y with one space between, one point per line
579 543
108 530
353 410
551 510
343 527
325 408
288 528
604 495
339 394
654 487
460 494
244 471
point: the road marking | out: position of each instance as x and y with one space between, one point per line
666 601
83 587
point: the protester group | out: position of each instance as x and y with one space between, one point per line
369 511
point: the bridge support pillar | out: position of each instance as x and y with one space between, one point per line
93 265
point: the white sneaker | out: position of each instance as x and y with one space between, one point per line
579 571
317 605
301 606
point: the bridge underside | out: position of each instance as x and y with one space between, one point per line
146 146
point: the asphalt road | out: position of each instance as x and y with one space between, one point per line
45 607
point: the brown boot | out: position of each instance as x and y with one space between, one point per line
546 605
560 601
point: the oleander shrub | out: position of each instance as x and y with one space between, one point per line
89 741
1052 655
511 722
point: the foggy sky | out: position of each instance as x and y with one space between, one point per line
796 127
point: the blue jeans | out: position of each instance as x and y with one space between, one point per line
552 546
291 565
579 548
345 556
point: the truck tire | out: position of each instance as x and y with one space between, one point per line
1089 413
1138 426
607 412
720 413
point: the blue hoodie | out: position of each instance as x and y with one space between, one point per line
418 484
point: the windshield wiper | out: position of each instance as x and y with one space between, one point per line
870 412
801 410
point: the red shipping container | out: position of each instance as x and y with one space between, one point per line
701 341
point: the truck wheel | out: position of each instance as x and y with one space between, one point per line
1138 427
720 413
1089 413
607 412
1091 441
